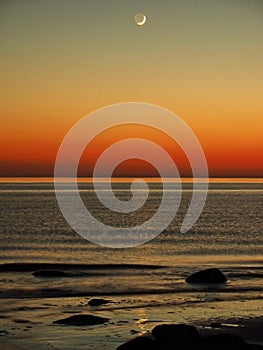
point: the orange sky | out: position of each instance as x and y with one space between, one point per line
61 61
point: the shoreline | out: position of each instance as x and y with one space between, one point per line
249 329
32 320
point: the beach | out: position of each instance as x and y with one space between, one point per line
48 272
27 317
36 331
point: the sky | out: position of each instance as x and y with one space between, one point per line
63 59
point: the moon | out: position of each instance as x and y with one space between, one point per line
140 19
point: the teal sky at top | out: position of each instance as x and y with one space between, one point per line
82 36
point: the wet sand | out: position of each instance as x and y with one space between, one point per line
248 329
29 323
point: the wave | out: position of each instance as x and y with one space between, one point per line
25 267
65 292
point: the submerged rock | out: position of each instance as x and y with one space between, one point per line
50 273
139 343
216 325
82 320
212 275
98 302
21 321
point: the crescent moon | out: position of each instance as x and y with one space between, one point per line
142 21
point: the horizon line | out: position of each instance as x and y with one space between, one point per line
18 179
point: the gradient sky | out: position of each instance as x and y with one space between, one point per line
62 59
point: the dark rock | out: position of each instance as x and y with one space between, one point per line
168 336
212 275
82 320
50 273
222 341
139 343
98 302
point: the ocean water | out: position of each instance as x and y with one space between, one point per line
149 278
229 232
32 228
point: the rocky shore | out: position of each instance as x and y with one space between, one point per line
182 336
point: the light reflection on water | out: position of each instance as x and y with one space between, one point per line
33 228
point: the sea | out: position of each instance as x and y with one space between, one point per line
148 278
